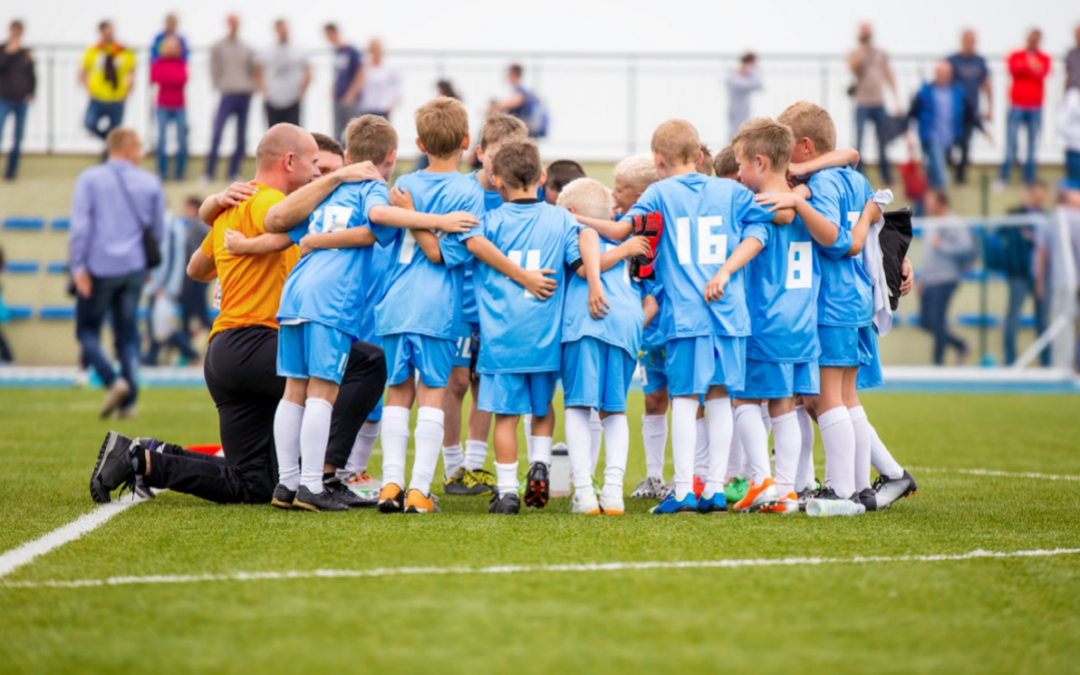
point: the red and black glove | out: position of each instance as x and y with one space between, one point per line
651 226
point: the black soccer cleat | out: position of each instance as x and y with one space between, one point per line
537 486
867 498
283 497
890 490
508 504
323 501
343 494
113 468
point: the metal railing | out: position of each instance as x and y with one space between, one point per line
603 106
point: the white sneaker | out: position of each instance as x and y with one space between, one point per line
584 502
611 501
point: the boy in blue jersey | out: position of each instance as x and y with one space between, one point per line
322 303
465 474
419 313
522 332
599 357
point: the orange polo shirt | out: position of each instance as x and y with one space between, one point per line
250 284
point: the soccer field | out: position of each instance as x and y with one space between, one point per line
936 584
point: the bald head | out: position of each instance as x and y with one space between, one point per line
943 73
287 155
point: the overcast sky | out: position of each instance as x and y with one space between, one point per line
786 26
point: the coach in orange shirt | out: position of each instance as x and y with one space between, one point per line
241 361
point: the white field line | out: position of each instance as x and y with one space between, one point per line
1002 474
17 557
523 569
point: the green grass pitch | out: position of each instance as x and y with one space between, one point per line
1010 615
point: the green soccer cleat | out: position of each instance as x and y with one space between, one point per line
735 489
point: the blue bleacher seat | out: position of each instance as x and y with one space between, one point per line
57 267
1027 321
974 275
22 267
913 319
20 312
57 312
976 320
24 223
61 224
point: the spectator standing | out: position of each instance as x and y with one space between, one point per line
872 72
949 249
108 74
741 82
1069 126
165 286
113 204
282 75
18 81
169 73
1072 64
1029 68
1019 246
171 23
232 69
382 84
971 71
942 112
348 81
194 308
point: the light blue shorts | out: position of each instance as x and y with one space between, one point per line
517 394
467 346
842 347
779 380
407 353
312 349
695 364
596 375
870 366
652 367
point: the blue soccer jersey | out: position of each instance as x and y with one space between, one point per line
375 285
470 313
622 325
845 298
704 219
422 297
520 333
782 294
652 335
329 286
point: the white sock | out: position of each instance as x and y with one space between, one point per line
576 426
395 444
838 437
287 422
804 479
864 437
527 420
735 459
701 449
882 459
506 478
720 429
787 437
765 417
541 449
617 444
475 455
453 459
683 442
314 435
596 433
755 441
429 434
362 448
654 438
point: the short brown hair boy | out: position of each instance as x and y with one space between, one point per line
705 165
328 144
370 138
771 140
518 164
442 125
808 120
500 127
677 142
725 165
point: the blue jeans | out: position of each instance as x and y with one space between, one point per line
1019 288
177 118
231 105
878 116
934 319
98 110
18 109
1032 119
1072 164
119 296
935 164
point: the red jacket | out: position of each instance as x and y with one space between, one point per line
1027 82
170 75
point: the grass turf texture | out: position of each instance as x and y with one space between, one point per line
1009 615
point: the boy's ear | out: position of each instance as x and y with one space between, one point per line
479 154
420 144
497 181
391 158
465 143
543 176
347 160
571 209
